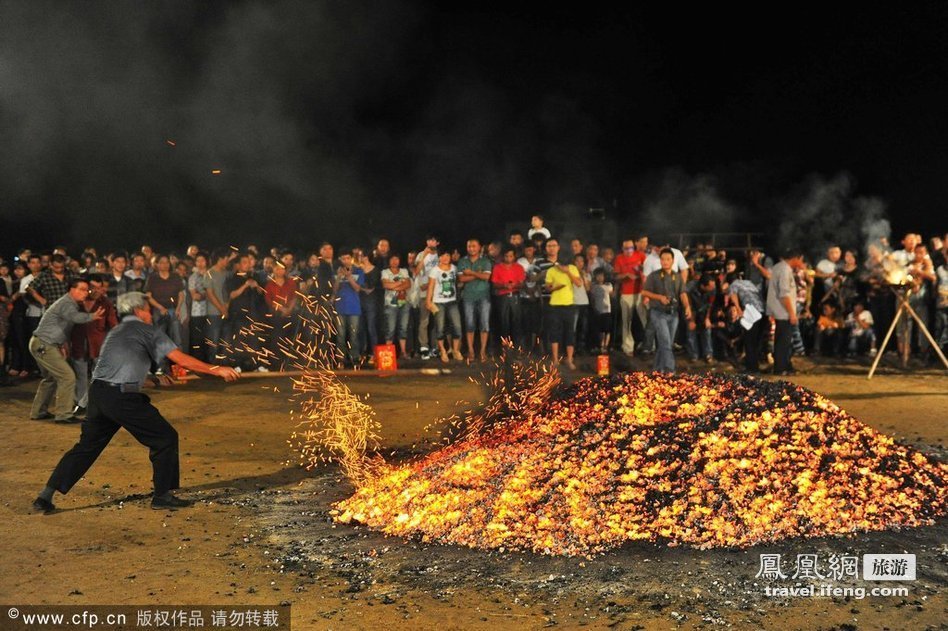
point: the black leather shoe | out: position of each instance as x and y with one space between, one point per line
169 502
45 416
43 506
69 420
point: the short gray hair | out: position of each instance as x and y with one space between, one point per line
129 302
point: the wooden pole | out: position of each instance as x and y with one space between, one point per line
924 329
403 372
885 342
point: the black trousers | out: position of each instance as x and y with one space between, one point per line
754 342
783 346
508 311
110 409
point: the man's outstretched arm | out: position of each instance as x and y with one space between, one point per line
196 365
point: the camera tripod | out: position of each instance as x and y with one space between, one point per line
903 293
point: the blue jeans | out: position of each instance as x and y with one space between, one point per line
476 312
369 330
396 320
665 325
698 343
941 326
169 325
347 336
450 311
212 333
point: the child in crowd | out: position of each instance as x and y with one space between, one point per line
828 330
600 295
861 334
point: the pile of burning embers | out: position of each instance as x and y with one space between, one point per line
700 460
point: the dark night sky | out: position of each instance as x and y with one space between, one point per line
345 120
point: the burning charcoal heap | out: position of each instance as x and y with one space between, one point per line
701 460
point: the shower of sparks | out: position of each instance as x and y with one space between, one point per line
707 461
333 424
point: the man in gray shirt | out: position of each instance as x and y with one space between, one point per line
48 348
116 401
781 306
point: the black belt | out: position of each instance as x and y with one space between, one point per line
124 387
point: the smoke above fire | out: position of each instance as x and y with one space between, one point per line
821 212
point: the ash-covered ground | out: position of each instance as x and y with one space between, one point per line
261 530
636 586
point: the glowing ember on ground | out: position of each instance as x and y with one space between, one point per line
688 459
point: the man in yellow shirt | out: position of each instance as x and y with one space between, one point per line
559 281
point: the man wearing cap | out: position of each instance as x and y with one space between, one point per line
116 401
48 348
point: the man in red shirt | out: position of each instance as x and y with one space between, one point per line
628 274
86 339
281 295
507 278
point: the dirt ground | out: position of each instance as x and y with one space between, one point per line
260 531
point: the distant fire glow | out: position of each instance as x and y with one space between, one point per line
706 461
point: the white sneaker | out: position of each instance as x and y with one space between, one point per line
262 369
237 369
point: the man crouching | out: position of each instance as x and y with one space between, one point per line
116 400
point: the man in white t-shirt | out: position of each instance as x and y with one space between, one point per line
425 261
653 262
827 268
34 310
397 283
862 336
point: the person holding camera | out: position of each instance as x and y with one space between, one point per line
665 291
347 286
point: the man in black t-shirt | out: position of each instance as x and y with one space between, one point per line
245 313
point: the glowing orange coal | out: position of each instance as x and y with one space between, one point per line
700 460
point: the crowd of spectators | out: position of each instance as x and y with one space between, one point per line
550 294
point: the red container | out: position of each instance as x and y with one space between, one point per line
385 357
602 365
